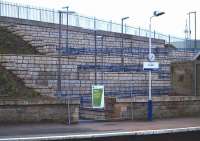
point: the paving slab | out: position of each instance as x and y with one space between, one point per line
91 129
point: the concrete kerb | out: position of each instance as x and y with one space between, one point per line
103 134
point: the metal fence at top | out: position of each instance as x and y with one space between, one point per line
52 16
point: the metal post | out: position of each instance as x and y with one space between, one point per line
53 16
18 11
195 78
132 106
169 40
186 35
125 28
150 106
95 45
122 34
67 49
139 31
0 9
111 26
195 34
40 14
122 49
67 37
189 32
77 21
27 12
102 55
149 97
195 40
59 56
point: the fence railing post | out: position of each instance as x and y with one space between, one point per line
111 26
53 16
125 29
139 31
27 8
40 14
77 20
29 13
17 11
0 9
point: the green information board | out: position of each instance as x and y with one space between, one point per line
98 96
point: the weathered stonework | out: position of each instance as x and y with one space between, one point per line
77 70
21 111
186 78
163 107
44 36
136 108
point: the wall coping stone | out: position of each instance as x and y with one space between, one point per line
7 102
77 29
158 99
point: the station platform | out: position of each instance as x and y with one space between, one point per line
91 129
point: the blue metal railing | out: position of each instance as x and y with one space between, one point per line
52 16
113 51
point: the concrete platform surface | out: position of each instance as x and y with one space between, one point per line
89 129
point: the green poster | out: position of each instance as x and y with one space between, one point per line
98 96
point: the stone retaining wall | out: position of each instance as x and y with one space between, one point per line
44 36
163 107
40 72
77 71
21 111
136 108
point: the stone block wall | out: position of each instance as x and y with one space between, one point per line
21 111
40 72
163 107
185 77
44 36
78 69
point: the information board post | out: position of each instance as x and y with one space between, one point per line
150 66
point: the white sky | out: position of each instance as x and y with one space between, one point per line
139 11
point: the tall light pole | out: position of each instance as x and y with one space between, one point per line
195 28
67 30
95 54
59 81
59 91
122 31
151 58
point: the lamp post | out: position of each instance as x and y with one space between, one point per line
195 27
67 30
151 58
59 81
122 31
59 55
95 53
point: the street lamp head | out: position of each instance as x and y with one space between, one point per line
124 18
191 12
69 12
158 13
65 7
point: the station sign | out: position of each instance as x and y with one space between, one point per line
151 66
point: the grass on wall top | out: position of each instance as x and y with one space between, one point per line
10 85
